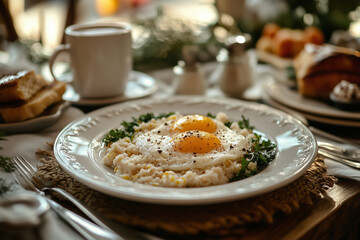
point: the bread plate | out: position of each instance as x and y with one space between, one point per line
291 98
49 117
313 117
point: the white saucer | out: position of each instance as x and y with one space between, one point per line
139 85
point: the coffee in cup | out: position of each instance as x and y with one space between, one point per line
100 58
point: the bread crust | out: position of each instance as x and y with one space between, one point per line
320 68
16 112
286 42
20 86
321 85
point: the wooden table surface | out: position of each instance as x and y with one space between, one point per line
335 216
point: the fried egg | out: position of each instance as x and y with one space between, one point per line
191 142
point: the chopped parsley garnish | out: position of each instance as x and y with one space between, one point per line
245 123
262 153
128 129
228 124
211 115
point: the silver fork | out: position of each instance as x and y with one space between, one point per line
346 153
342 160
24 176
30 171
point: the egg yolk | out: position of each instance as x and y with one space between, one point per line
194 122
196 142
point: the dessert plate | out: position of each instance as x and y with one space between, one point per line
291 98
139 85
332 121
313 117
78 149
49 117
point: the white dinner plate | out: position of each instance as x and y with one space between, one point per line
332 121
140 85
293 99
313 117
78 150
49 117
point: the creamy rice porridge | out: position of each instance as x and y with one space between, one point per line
182 151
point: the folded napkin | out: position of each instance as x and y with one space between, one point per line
22 209
24 221
341 171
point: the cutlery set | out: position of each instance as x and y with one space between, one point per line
26 177
94 229
347 156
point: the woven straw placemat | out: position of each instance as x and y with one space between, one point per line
216 219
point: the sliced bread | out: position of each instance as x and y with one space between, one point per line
319 68
15 112
21 86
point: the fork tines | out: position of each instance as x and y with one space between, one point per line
25 173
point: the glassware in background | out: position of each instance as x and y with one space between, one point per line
189 79
236 73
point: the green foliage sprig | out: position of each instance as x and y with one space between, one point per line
6 164
4 187
128 128
262 153
244 123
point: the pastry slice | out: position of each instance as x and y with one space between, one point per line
319 68
20 111
21 86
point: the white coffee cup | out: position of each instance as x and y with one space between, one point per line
100 58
